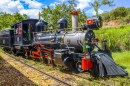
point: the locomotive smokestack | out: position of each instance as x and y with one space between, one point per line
74 20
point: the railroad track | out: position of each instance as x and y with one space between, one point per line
103 83
90 79
50 76
63 82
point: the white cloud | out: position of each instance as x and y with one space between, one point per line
33 4
32 13
10 6
62 0
82 4
53 4
92 11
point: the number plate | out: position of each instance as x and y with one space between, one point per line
89 21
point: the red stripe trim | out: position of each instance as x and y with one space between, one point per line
45 57
34 56
35 53
28 50
46 51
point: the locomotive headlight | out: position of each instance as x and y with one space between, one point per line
94 23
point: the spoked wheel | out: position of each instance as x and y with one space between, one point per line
15 52
41 57
45 61
49 60
31 53
4 49
27 55
79 67
10 51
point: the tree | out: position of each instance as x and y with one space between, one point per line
25 16
18 17
62 11
72 5
6 19
99 3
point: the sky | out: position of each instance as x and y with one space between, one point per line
32 7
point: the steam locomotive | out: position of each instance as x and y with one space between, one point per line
62 47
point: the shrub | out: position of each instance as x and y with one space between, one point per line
120 37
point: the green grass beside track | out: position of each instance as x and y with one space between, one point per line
122 59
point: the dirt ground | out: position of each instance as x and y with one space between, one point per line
9 76
13 73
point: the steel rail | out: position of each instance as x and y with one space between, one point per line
56 79
99 81
103 83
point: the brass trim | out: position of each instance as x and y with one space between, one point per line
68 41
50 38
62 40
60 29
82 29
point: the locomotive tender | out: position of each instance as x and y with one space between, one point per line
63 47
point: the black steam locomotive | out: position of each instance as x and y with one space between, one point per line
62 47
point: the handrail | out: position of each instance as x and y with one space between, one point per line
62 29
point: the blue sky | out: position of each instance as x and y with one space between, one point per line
32 7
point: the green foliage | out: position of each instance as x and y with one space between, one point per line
120 37
122 14
99 3
121 58
62 11
121 11
6 20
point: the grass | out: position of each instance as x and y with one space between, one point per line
39 67
1 58
47 68
119 36
122 59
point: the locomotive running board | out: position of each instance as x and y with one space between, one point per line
106 66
